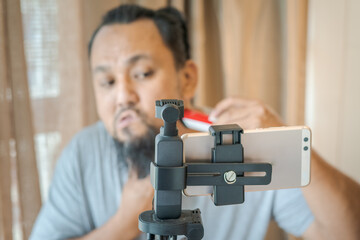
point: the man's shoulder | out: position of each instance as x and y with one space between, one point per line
89 133
91 137
87 143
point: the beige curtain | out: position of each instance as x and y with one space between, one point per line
17 157
253 49
248 48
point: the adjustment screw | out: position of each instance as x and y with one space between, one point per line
230 177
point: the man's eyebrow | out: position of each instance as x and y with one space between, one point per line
136 58
101 68
130 61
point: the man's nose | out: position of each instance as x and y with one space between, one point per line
126 93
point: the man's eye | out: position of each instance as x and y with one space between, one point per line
108 82
143 75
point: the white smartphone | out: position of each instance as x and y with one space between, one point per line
287 149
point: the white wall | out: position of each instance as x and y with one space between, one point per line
333 82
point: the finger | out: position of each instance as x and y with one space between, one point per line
133 175
234 120
227 103
146 180
256 116
248 120
233 113
220 108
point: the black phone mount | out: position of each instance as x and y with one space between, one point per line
170 176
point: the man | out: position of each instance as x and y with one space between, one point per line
100 185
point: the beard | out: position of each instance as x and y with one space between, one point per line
137 152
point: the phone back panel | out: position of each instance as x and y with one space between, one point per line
288 149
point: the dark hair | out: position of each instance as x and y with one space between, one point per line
169 21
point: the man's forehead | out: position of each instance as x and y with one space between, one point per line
138 37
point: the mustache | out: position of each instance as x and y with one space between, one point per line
131 107
127 108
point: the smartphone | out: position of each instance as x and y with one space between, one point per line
287 149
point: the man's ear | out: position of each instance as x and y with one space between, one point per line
189 78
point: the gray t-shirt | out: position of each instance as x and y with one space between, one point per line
88 181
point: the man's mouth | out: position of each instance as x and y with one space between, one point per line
126 118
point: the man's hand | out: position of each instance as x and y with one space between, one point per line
332 196
137 197
249 114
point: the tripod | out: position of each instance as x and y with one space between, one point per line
169 176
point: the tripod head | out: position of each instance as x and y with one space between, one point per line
169 111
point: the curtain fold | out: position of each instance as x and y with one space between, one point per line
240 46
5 177
295 65
17 128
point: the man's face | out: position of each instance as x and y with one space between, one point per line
132 67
